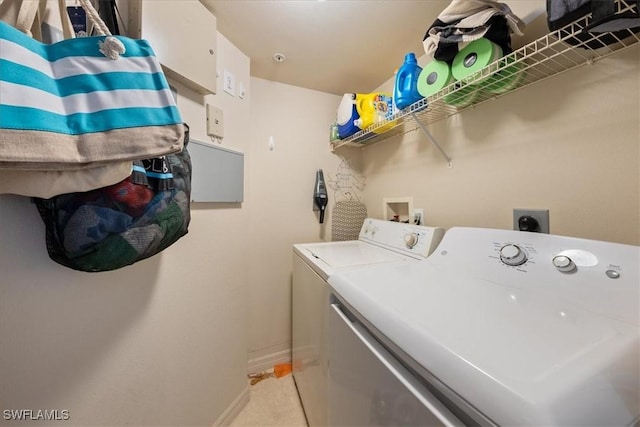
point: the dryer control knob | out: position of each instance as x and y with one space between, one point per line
563 263
410 239
513 255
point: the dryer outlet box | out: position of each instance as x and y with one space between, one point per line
541 217
398 209
215 121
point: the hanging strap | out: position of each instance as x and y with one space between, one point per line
111 47
67 28
94 18
26 15
107 10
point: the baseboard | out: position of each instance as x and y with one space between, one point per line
234 409
268 361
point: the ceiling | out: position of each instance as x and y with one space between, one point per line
334 46
340 46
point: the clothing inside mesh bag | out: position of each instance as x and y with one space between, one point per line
118 225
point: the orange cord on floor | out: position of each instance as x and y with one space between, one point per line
279 371
282 370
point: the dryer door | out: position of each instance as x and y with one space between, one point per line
369 387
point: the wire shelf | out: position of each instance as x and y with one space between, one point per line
555 53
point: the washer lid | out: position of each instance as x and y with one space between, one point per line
352 254
518 356
327 257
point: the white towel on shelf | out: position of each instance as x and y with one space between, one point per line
466 20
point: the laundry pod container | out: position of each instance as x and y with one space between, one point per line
435 76
347 115
473 58
373 108
383 105
406 85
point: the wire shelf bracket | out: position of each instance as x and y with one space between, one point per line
432 139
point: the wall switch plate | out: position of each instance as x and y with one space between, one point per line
241 91
541 216
229 83
215 121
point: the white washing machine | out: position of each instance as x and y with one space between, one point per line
496 327
380 242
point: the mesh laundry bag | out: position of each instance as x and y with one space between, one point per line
347 218
111 227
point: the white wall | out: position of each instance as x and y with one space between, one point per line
281 212
162 342
570 144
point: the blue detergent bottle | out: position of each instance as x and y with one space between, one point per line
405 91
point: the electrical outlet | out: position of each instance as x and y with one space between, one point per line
215 121
536 220
418 216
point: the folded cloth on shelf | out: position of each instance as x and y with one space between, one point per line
469 20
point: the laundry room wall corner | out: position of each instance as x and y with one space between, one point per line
296 122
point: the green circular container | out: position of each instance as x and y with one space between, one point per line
435 76
474 57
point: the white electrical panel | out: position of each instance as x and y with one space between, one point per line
183 35
217 173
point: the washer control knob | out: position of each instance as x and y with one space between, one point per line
513 255
563 263
410 239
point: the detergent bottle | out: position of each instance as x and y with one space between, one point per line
346 116
366 109
406 88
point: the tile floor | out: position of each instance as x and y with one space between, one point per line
272 402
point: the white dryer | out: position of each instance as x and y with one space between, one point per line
380 242
497 327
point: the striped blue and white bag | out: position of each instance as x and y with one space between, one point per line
67 106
